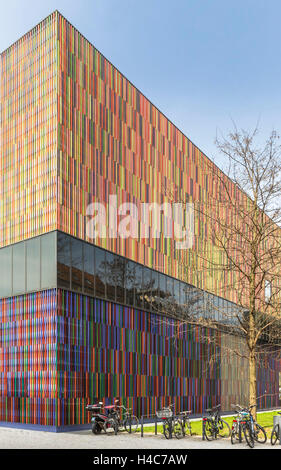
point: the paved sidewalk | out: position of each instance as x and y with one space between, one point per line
24 439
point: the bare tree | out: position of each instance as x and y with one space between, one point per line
246 229
242 249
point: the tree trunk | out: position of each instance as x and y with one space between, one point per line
252 383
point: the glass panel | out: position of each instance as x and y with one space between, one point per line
120 274
209 306
162 292
154 290
177 292
192 296
216 307
48 261
138 286
100 272
64 261
76 265
6 272
147 289
170 289
19 268
89 269
110 276
182 303
33 264
182 294
130 282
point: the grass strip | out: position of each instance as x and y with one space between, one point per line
265 419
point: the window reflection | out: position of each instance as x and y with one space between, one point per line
48 260
154 291
146 289
177 292
138 287
100 272
63 261
89 269
129 282
170 289
76 265
110 276
33 264
162 292
120 275
6 272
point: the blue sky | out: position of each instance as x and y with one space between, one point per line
203 63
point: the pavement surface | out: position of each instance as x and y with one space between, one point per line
11 438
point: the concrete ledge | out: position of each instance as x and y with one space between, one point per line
39 427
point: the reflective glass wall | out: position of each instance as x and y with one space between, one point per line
28 266
91 270
59 260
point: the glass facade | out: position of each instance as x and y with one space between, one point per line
28 266
60 260
91 270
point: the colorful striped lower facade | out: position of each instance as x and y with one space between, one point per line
61 350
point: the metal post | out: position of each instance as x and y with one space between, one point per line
141 425
203 429
155 425
277 420
170 424
130 428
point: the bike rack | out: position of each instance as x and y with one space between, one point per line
155 423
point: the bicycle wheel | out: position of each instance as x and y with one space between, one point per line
209 430
187 430
223 428
131 423
168 430
274 435
110 425
178 429
248 435
260 434
234 436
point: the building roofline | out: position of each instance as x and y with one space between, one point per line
129 81
136 88
28 32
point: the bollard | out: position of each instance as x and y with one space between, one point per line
155 425
130 428
277 420
141 425
203 428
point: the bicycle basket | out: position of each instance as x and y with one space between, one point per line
165 413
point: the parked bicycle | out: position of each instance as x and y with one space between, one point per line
246 425
275 435
169 422
182 426
214 426
128 421
238 421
